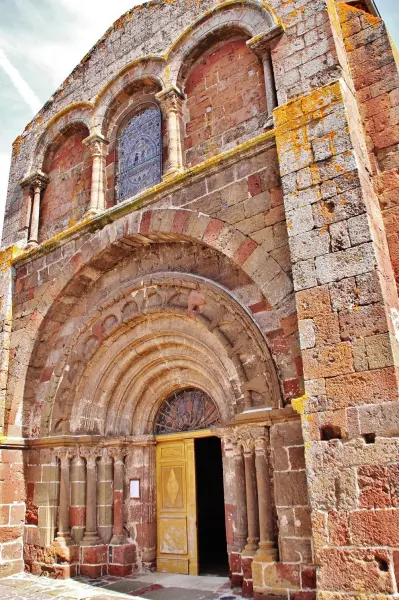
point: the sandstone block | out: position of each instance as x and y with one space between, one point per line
350 262
328 361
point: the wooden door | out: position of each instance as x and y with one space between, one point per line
177 550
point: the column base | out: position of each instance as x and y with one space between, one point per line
66 549
92 212
31 245
266 553
172 173
269 123
91 539
250 550
118 540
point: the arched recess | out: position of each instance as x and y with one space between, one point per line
68 164
103 250
153 337
249 18
225 95
133 96
79 114
148 70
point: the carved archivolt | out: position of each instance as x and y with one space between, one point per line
151 338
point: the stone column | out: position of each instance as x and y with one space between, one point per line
252 499
241 521
118 537
267 551
36 182
97 145
91 537
170 101
78 498
105 496
261 46
63 533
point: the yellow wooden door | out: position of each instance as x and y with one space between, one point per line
176 507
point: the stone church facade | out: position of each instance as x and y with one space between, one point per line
199 305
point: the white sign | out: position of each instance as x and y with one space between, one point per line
135 488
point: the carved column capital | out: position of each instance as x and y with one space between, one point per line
170 99
118 454
260 44
64 454
91 455
250 438
96 143
35 181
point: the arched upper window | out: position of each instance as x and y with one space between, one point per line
186 410
140 152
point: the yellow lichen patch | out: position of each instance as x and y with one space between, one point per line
68 109
8 255
128 67
276 17
299 404
16 146
143 200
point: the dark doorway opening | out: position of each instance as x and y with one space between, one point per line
212 543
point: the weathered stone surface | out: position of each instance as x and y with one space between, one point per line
260 269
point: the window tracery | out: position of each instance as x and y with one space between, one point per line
186 410
140 153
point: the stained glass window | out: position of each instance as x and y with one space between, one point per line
140 152
186 410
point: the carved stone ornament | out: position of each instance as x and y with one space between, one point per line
96 144
260 44
37 179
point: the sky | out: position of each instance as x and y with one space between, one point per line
41 41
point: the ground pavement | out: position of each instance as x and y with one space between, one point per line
154 586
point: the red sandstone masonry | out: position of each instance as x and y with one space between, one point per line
225 100
67 195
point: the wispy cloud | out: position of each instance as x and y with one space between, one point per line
22 87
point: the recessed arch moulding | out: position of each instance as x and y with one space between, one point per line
133 340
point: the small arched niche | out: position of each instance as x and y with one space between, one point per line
67 163
224 84
186 410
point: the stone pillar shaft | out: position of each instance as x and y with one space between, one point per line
241 524
97 144
63 533
261 46
252 502
170 101
267 551
90 537
270 87
119 470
